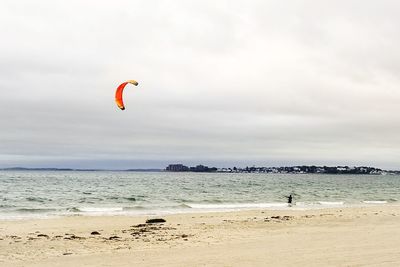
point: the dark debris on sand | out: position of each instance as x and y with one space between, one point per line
157 220
73 237
154 230
42 235
278 218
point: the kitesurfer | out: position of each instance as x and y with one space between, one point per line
290 199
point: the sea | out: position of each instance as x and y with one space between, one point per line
48 194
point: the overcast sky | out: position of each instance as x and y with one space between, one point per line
220 82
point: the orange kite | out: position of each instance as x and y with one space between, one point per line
118 94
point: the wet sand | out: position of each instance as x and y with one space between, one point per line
368 236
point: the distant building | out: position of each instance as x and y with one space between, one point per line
183 168
177 168
199 168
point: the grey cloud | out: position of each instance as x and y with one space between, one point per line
222 82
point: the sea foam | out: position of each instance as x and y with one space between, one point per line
331 203
375 202
238 206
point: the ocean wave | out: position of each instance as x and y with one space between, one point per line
33 210
104 209
331 202
37 199
185 206
157 207
375 201
2 206
212 201
130 198
73 209
239 205
90 200
100 209
138 207
182 200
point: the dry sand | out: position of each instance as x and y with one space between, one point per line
368 236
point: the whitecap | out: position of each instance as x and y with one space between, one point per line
100 209
375 201
331 202
238 205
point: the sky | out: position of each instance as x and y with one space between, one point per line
223 83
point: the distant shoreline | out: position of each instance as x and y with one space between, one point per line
78 170
305 169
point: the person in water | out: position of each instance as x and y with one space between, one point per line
290 199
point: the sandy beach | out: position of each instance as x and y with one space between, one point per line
365 236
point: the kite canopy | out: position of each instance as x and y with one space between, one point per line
118 94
